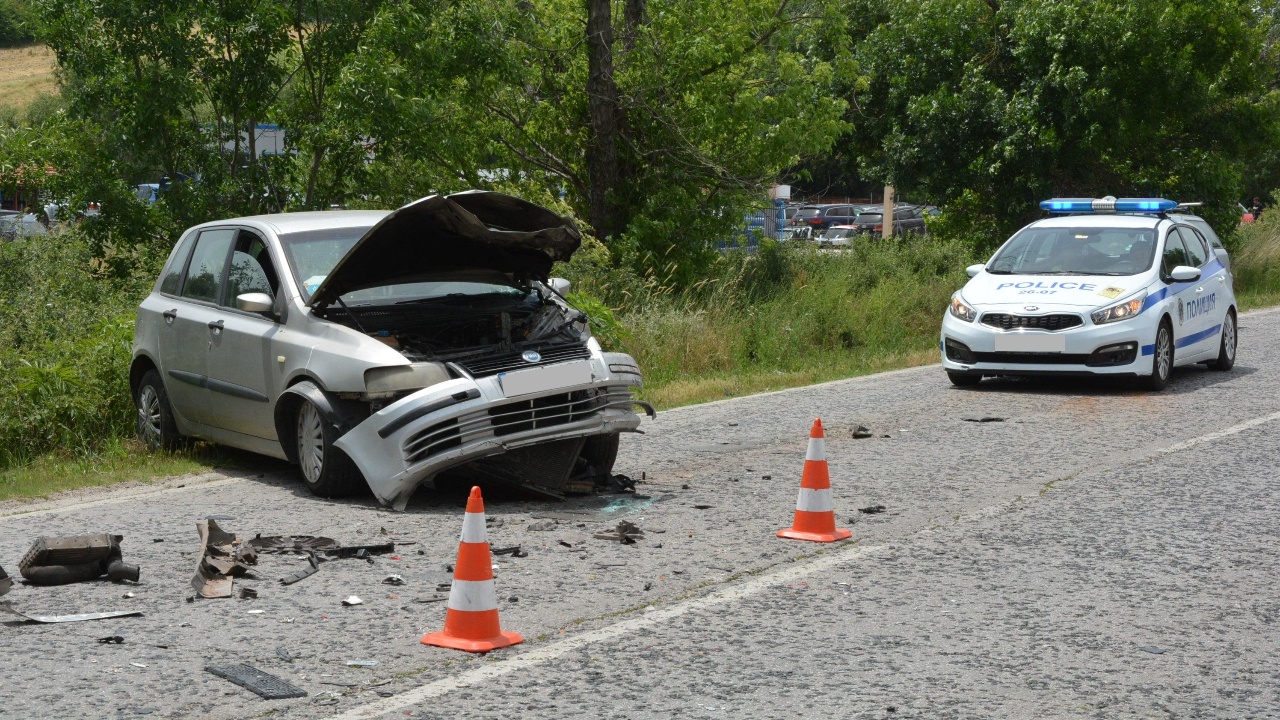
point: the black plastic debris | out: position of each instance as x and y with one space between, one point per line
984 419
6 582
513 551
292 543
701 507
393 580
112 640
265 685
248 593
565 543
313 567
872 510
860 432
73 558
283 653
360 551
625 532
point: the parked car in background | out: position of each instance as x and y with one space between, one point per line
797 232
14 225
384 348
821 217
907 219
838 236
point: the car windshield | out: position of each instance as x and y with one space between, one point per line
1076 251
312 256
839 232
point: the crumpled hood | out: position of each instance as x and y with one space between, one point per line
475 233
1043 290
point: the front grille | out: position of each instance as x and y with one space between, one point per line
1009 358
513 416
1005 321
506 362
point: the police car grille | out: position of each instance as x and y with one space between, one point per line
1027 358
494 364
1005 321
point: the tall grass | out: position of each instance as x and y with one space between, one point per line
1255 262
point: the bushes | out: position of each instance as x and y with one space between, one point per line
14 23
1255 261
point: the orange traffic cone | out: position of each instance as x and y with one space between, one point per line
815 515
471 623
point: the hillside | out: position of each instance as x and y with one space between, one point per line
25 74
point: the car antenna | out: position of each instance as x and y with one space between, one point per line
350 314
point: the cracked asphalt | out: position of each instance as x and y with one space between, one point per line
1099 552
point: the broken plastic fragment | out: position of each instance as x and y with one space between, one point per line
353 600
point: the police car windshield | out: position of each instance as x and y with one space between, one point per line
1076 251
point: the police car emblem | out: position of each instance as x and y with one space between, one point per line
531 356
1031 308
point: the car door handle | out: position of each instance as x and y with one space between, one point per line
169 315
216 326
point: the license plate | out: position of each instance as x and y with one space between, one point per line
1019 342
547 377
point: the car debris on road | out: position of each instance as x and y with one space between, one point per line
73 558
222 558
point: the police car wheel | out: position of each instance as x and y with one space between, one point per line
1227 346
963 379
1161 358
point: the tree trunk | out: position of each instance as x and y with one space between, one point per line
602 94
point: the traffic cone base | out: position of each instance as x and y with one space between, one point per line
815 518
471 620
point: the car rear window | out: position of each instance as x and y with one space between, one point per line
808 212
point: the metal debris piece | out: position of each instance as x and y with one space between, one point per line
72 558
112 640
313 567
393 580
128 595
256 612
542 526
984 419
872 510
441 587
861 432
292 543
438 598
1152 649
701 507
70 618
267 686
353 600
362 663
626 532
360 551
6 582
248 593
221 559
513 551
283 653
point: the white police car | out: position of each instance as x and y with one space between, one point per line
1105 287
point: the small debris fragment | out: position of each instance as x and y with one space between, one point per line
626 532
984 419
701 507
353 600
291 544
684 486
138 665
112 640
441 587
541 526
393 580
872 510
648 586
733 423
69 618
256 612
513 551
766 477
513 598
1152 649
313 567
438 598
283 653
362 663
860 432
267 686
248 593
566 543
128 595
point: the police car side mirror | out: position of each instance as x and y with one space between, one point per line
1183 273
973 270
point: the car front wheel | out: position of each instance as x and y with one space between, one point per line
326 470
1227 347
1162 359
963 379
155 424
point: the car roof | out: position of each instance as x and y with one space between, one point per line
286 223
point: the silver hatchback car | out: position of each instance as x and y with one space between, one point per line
384 348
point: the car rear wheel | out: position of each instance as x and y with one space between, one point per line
155 424
963 379
1227 346
326 470
1162 359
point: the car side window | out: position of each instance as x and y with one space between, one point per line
251 269
206 274
172 275
1196 251
1174 253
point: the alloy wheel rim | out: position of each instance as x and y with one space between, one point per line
149 416
1229 338
1162 353
310 443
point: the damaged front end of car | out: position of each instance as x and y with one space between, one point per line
501 380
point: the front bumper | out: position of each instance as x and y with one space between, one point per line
407 444
1126 345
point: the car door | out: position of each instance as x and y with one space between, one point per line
1201 306
1184 327
243 346
184 336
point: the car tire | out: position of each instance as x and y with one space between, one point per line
963 379
326 470
601 452
1161 358
1227 345
155 425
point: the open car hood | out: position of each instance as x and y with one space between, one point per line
473 233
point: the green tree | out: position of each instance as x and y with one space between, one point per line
1013 101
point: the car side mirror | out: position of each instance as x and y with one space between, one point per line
560 285
255 302
973 270
1183 273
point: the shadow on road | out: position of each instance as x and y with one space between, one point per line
1184 380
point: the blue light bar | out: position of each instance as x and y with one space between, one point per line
1108 205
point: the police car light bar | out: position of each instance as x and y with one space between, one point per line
1108 205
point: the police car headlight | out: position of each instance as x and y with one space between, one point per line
1120 311
961 310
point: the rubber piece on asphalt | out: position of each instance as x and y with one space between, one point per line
268 686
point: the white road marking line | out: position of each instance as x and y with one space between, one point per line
539 655
1218 435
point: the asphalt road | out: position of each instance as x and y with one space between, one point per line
1099 552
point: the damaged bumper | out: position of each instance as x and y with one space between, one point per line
407 444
